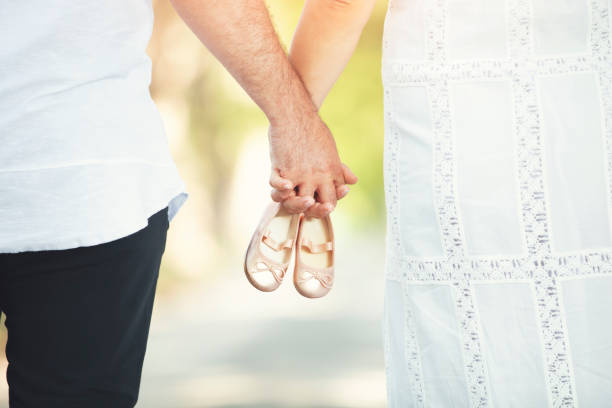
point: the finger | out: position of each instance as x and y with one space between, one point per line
278 182
349 176
281 195
296 205
327 194
311 211
342 191
319 210
306 190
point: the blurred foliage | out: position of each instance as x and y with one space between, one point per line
220 115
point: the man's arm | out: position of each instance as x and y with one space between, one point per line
303 152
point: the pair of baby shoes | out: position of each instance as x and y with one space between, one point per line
270 251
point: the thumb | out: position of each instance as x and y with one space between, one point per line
278 182
349 176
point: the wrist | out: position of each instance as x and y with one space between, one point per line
293 104
291 116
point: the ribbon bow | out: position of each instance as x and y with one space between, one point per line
325 279
277 271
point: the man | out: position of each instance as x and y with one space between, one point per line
88 187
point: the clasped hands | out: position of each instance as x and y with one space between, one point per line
307 175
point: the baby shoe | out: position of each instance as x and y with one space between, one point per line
313 275
270 249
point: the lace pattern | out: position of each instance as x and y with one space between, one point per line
540 265
413 358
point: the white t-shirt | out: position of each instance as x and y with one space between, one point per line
83 155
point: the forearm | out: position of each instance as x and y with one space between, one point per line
240 34
324 41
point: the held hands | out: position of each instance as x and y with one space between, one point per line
307 175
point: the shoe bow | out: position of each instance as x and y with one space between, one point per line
277 271
325 279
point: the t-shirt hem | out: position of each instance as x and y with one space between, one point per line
174 205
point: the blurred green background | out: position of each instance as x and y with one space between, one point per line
214 340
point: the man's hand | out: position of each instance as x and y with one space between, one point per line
306 167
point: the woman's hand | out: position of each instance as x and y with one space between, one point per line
307 175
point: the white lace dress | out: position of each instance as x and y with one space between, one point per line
498 179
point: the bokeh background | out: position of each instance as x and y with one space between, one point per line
214 340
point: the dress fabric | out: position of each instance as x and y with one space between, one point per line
83 153
498 183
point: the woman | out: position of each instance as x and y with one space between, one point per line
499 266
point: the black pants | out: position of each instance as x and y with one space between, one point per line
78 320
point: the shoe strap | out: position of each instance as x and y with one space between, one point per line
317 248
276 246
